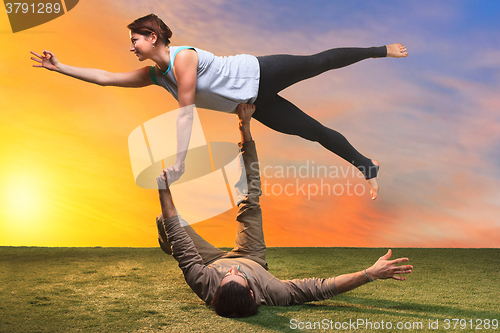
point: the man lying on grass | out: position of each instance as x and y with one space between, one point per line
235 283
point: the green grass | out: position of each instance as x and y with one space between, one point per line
143 290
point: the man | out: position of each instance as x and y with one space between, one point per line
235 283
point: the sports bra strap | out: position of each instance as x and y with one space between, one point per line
180 48
152 73
152 69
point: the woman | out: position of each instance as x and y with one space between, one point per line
197 77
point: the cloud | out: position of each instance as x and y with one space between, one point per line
489 59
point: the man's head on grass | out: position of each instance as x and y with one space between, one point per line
234 298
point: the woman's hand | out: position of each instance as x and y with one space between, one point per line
48 60
387 269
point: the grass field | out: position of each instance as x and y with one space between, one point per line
143 290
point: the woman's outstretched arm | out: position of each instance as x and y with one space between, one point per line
135 79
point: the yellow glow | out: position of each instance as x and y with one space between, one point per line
21 197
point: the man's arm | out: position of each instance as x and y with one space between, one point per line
199 277
306 290
250 160
382 269
167 205
244 112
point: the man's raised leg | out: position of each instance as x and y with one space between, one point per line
249 237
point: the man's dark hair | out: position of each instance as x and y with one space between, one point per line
233 300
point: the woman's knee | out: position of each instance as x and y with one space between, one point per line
314 133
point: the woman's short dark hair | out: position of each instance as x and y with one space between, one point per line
149 24
233 300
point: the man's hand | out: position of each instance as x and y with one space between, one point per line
161 181
388 269
245 112
167 205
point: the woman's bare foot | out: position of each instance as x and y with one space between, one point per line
396 51
373 183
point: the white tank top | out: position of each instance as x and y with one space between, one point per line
222 82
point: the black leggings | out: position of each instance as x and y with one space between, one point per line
278 72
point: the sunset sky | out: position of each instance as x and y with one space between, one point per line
431 119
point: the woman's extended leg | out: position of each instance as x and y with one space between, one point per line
283 116
281 71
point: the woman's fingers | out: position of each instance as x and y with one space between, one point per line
173 173
47 60
45 54
36 54
37 59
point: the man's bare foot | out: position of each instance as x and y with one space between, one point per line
396 51
373 183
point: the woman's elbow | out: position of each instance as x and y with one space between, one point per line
100 81
106 79
185 112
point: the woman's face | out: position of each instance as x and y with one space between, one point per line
142 46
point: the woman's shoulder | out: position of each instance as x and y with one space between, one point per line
177 49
